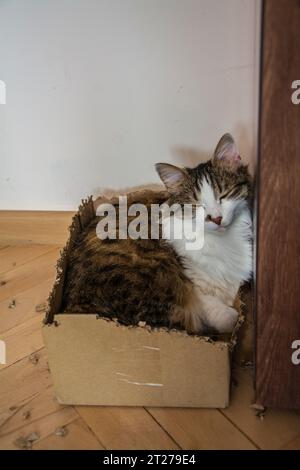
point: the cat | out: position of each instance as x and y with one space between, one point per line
160 281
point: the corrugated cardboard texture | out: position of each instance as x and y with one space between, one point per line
81 219
99 362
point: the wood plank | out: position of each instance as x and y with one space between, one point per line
42 428
22 341
14 256
28 411
27 402
278 271
200 429
31 227
293 445
125 428
28 275
78 437
273 431
3 247
26 305
21 383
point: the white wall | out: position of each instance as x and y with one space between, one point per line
99 90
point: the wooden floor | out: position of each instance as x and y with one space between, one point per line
30 416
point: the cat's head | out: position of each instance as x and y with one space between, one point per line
222 185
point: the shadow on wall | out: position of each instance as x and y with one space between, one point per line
191 156
187 156
109 193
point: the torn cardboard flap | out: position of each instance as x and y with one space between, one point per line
95 361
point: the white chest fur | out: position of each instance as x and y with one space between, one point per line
224 262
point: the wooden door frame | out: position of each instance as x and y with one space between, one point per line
277 378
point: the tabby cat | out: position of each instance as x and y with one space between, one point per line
160 281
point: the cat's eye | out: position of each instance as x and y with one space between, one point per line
224 195
194 209
233 192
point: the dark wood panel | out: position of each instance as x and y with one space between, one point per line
278 269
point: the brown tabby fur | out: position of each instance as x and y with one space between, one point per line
132 280
143 280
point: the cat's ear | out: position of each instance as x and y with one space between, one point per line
227 151
172 176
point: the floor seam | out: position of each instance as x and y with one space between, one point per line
23 290
22 359
160 425
90 429
239 429
29 260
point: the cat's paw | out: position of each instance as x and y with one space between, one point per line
227 319
217 315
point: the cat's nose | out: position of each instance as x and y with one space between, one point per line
217 220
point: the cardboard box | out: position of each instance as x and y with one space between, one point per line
95 361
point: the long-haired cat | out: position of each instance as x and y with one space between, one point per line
160 281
